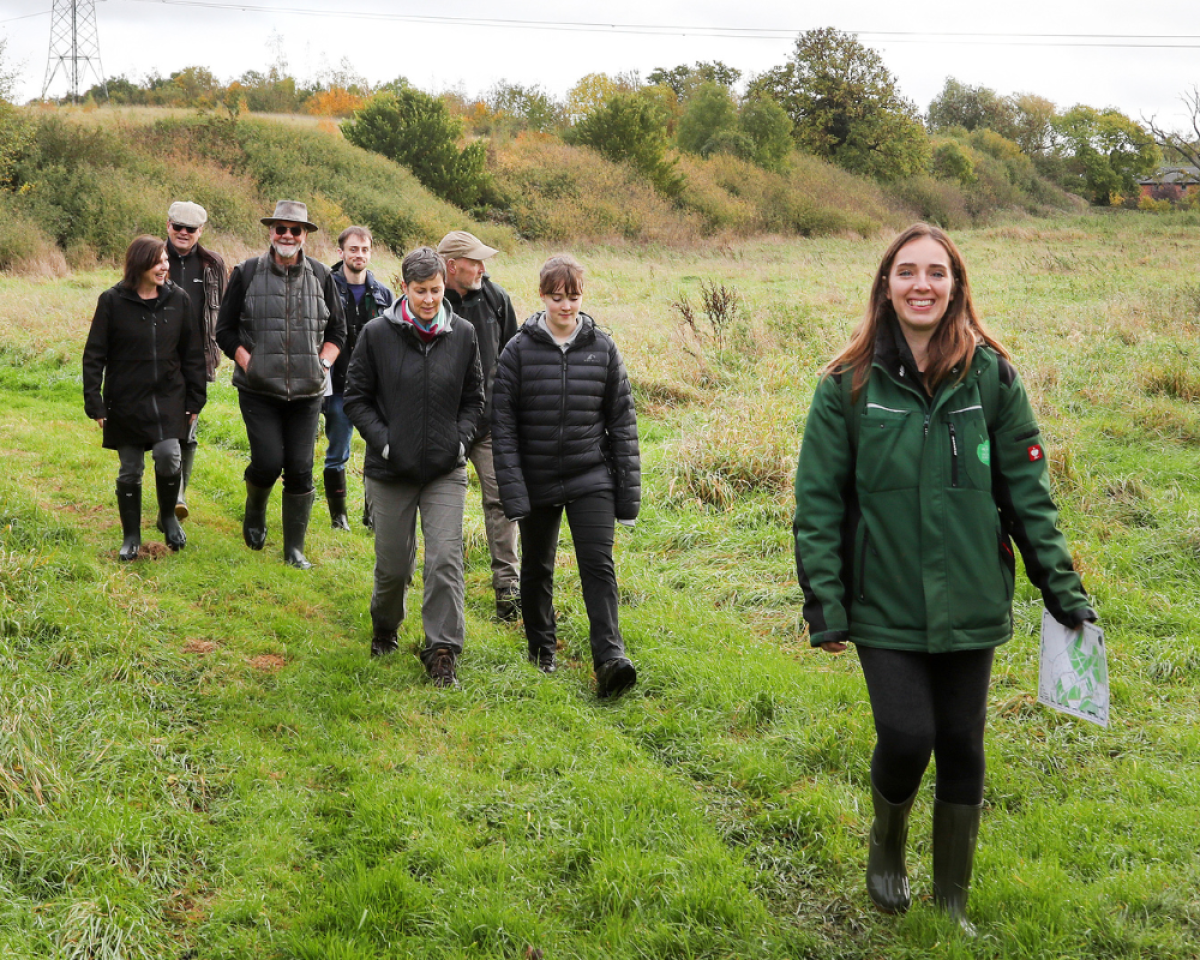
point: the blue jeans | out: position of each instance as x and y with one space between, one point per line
338 431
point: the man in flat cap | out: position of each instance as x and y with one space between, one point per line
281 322
473 295
200 273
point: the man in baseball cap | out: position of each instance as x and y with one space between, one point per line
201 274
473 295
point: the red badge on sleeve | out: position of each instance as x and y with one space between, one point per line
1035 452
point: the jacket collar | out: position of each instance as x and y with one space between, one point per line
532 327
392 315
131 295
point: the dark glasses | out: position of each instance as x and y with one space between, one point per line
182 229
280 229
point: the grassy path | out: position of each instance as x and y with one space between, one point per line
198 759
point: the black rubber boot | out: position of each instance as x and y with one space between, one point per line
297 508
955 830
254 525
335 496
129 506
187 457
168 495
887 875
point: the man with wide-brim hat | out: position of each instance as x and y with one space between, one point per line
281 322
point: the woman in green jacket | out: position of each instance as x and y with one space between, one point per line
922 464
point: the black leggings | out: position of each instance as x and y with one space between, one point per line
928 703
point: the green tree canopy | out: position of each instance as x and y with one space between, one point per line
685 80
416 130
768 130
845 106
961 105
709 113
1105 152
629 128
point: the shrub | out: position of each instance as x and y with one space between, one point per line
416 130
628 128
935 201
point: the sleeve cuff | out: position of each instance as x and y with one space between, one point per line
829 636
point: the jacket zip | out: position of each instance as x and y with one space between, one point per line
154 363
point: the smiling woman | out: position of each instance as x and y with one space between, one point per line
921 466
143 349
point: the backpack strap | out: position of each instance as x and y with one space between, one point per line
494 300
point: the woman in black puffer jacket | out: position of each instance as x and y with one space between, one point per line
144 383
564 436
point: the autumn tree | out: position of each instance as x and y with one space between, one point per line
416 130
594 90
845 106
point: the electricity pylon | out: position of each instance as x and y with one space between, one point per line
74 45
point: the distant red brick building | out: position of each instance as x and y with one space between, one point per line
1171 183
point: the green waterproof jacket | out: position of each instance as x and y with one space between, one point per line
907 542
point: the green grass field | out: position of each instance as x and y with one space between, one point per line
199 760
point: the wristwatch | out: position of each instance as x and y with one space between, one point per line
325 363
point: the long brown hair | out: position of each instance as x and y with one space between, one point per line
141 256
955 339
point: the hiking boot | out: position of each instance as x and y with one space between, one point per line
544 660
614 677
441 668
384 642
508 603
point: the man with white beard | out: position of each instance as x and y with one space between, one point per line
281 322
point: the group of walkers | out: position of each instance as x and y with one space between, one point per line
921 466
415 375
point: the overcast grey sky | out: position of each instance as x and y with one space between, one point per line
1103 57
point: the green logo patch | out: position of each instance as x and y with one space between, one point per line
984 450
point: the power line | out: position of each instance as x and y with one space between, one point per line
1098 40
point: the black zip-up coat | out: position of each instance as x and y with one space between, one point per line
148 356
490 311
420 401
563 423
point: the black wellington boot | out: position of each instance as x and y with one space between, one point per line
335 496
187 458
887 874
297 508
254 525
129 506
168 495
955 830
